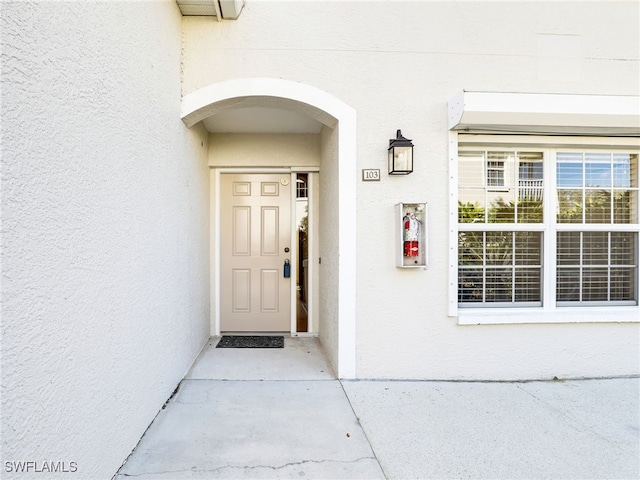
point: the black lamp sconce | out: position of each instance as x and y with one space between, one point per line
400 155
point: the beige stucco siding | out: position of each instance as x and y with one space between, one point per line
104 230
398 64
264 150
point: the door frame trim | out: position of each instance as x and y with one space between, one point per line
216 234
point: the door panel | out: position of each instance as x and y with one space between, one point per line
256 229
270 230
269 291
241 291
241 230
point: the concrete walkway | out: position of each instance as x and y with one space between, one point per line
280 413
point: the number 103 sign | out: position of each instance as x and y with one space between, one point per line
370 175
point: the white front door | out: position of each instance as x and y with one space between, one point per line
255 234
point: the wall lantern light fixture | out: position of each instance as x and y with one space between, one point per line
400 155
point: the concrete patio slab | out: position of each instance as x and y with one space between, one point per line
585 429
280 413
254 429
302 358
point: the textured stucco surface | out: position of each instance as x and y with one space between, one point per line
105 195
328 252
264 150
398 64
104 229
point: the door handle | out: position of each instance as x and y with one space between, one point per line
287 269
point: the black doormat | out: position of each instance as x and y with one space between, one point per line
250 341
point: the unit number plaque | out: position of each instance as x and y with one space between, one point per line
370 175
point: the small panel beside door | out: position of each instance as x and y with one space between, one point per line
255 231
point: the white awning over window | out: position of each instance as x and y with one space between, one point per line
597 115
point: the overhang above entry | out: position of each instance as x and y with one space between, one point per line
227 9
556 114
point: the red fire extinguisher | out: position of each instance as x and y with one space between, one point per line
411 235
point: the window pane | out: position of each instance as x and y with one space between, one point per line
597 206
500 187
499 285
528 248
609 193
528 285
568 248
503 206
597 169
569 169
595 248
570 207
499 267
500 169
595 284
470 285
602 266
499 248
471 194
625 206
302 185
471 169
622 284
568 285
622 248
470 248
622 170
530 210
471 205
495 174
530 166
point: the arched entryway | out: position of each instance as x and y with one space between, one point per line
337 152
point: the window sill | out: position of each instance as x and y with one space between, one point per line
507 316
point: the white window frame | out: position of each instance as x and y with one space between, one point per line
549 312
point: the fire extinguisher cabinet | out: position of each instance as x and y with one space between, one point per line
411 228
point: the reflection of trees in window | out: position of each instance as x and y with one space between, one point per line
596 206
524 210
511 191
597 187
593 264
470 213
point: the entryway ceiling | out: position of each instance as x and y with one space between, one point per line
261 120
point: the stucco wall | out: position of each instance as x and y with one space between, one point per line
398 64
328 252
104 230
264 150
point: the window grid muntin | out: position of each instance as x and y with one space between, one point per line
550 224
497 263
502 194
589 263
577 185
